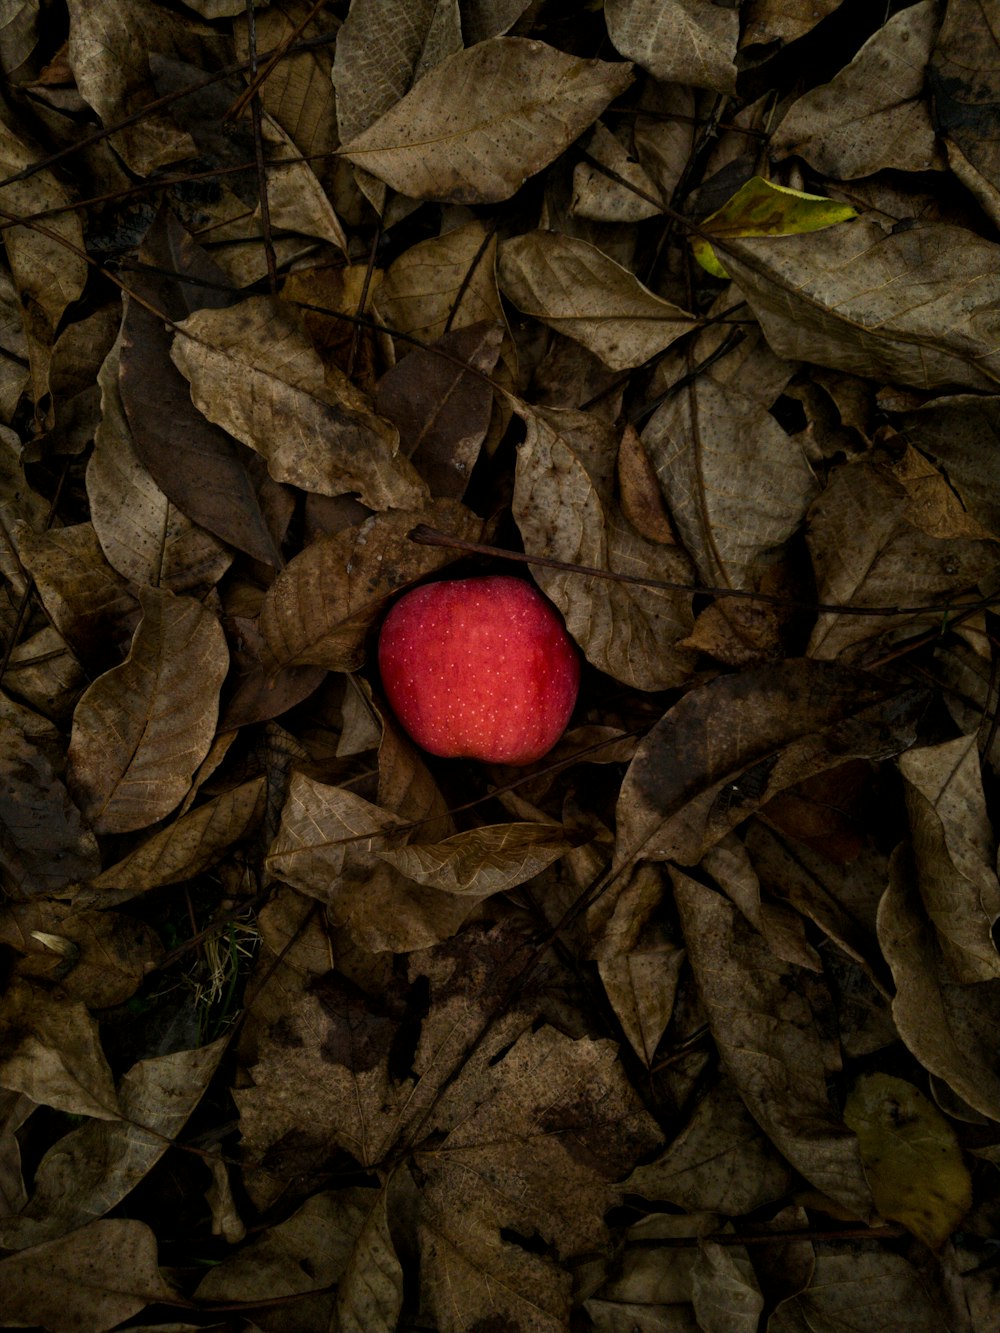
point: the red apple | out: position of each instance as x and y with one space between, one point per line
479 669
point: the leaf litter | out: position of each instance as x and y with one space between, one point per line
691 311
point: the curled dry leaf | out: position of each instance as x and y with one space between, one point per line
951 1028
254 372
321 607
442 412
139 732
764 1024
485 119
917 306
565 508
482 861
954 852
581 292
144 536
184 848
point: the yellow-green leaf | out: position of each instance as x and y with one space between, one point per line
761 208
912 1159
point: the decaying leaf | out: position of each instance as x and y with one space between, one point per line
139 732
581 292
681 41
911 1157
484 119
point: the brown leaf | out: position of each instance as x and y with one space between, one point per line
564 506
441 411
735 483
91 605
728 746
596 195
678 41
90 1170
218 482
962 77
321 607
764 1024
916 306
48 267
383 49
184 848
86 1282
324 847
44 846
146 539
871 115
641 498
253 372
954 851
950 1028
484 119
581 292
481 861
100 958
886 531
51 1052
139 731
719 1162
895 1296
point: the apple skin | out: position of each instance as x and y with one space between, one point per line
479 668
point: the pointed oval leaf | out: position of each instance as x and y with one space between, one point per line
141 730
481 861
485 119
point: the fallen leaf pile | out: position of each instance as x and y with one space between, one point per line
692 308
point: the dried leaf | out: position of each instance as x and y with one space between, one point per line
109 46
769 1036
253 371
871 115
950 1028
962 77
884 1286
564 507
678 41
735 483
89 1171
581 292
48 266
90 604
441 411
44 845
146 539
954 851
370 1294
383 49
186 847
890 531
295 198
90 1280
724 1290
596 195
218 482
719 1162
52 1053
915 307
322 606
911 1155
482 861
727 747
139 731
485 119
